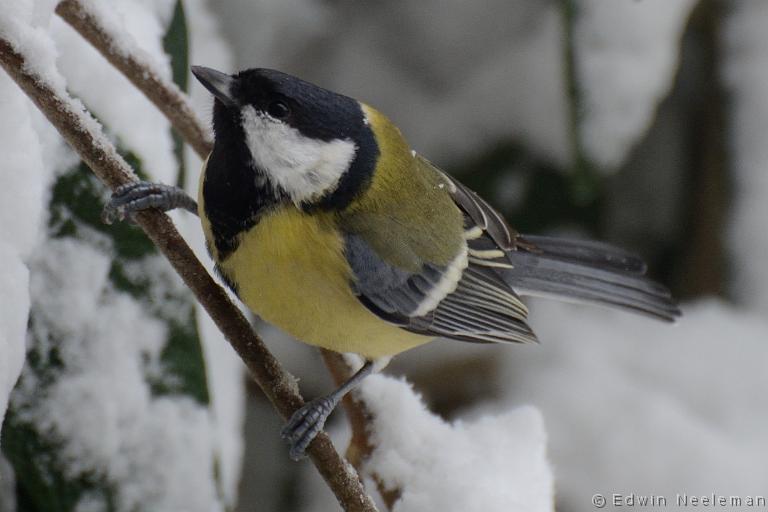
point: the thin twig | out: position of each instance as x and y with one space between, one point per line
360 417
100 155
584 182
166 96
77 15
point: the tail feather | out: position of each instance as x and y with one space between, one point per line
589 272
588 252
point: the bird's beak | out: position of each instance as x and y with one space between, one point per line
220 84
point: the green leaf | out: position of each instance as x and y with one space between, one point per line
176 45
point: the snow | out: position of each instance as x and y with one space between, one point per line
14 308
137 28
24 24
746 76
487 460
626 58
21 202
135 122
107 344
161 450
634 405
431 461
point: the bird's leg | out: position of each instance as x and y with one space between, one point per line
135 197
308 421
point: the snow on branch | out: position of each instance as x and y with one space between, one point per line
489 461
20 56
123 53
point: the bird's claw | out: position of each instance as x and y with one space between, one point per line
305 424
135 197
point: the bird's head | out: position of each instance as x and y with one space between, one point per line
312 145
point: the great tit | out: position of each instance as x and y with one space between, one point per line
326 224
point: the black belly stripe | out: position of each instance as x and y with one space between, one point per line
231 284
234 201
231 210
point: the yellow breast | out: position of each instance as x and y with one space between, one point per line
290 270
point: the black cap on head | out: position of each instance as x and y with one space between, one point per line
314 112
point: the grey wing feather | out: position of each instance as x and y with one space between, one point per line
482 308
580 270
587 271
483 215
588 252
384 286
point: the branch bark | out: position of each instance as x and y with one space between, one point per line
88 140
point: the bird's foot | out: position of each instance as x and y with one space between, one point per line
135 197
305 424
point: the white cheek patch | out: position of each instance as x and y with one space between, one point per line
305 168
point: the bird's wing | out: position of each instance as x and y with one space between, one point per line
457 298
475 296
464 301
577 270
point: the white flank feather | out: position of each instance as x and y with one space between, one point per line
447 284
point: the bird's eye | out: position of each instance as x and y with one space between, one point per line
278 110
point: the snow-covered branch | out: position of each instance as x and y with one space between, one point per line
85 135
127 58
